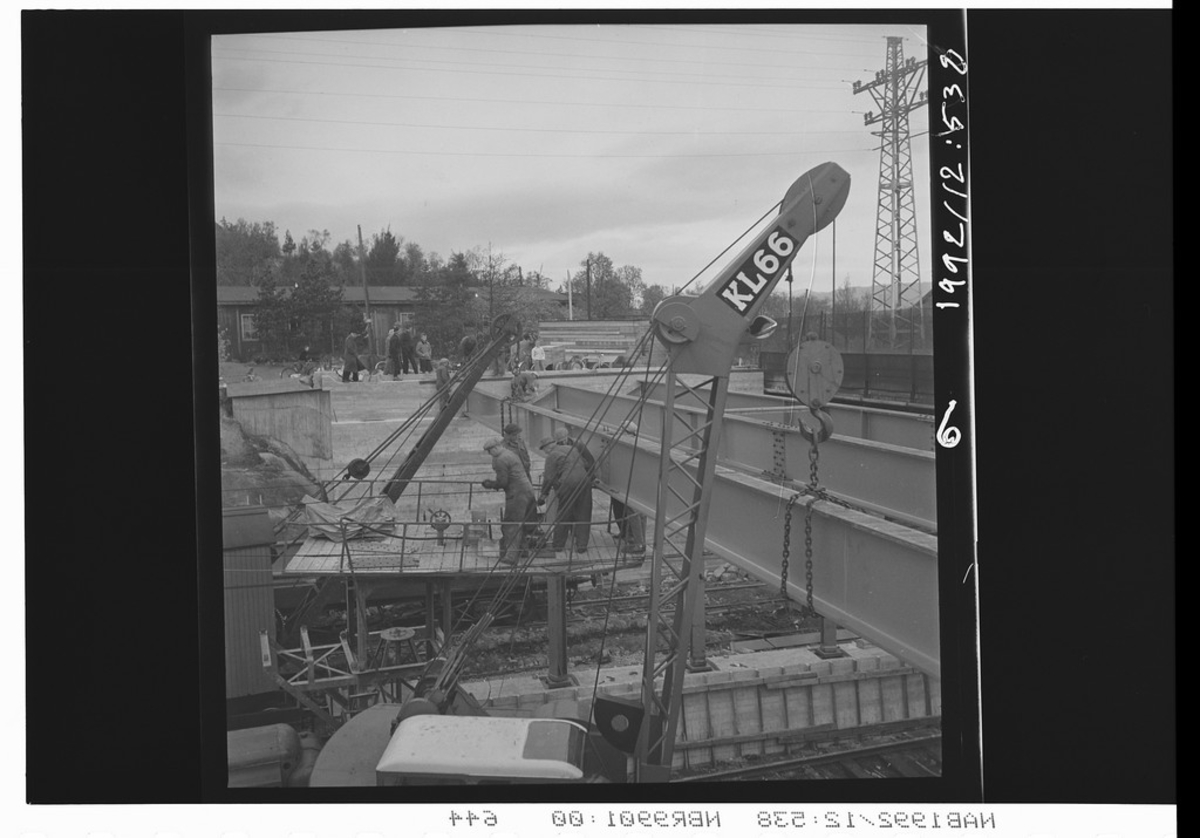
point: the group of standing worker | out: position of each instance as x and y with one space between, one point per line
566 486
405 353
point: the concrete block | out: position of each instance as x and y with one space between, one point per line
796 668
918 698
867 663
531 699
870 701
845 704
772 702
893 698
821 667
887 661
935 696
842 666
504 701
770 671
723 677
745 708
722 722
695 715
562 694
822 704
797 706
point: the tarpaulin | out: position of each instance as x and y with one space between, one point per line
362 518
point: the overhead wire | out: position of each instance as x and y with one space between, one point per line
776 68
543 156
522 129
493 100
493 73
708 62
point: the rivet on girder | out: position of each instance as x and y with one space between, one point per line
779 452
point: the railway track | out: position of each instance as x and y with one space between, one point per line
916 754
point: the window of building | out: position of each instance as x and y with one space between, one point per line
248 331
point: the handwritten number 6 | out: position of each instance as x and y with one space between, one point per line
948 437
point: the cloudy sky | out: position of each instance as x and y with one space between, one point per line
658 145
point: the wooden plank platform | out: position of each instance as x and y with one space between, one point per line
415 551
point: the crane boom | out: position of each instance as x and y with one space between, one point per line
504 329
701 335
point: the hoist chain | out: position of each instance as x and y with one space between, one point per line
787 546
814 493
813 455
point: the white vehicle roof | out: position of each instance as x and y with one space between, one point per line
483 746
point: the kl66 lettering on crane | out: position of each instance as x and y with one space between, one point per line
742 291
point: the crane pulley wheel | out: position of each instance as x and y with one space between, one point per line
506 324
358 468
675 322
814 373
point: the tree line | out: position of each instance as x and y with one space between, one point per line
301 301
300 285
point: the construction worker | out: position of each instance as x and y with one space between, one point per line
524 386
442 370
568 475
520 500
513 441
562 436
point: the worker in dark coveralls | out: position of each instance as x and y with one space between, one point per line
520 501
562 436
350 364
393 351
442 370
466 347
513 441
407 356
568 475
524 386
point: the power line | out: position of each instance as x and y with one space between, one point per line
693 133
792 152
449 48
864 40
832 85
530 101
640 43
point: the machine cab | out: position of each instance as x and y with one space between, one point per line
468 750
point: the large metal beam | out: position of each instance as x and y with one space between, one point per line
888 479
871 576
894 427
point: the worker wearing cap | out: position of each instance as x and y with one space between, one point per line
513 441
520 501
569 476
563 437
524 386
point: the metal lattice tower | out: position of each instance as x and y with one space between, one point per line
896 318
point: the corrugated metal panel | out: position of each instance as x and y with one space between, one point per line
249 609
246 526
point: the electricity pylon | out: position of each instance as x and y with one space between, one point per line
896 318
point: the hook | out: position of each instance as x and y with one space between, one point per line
826 425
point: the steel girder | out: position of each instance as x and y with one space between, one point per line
874 577
888 479
893 427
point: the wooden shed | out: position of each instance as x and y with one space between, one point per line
236 304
